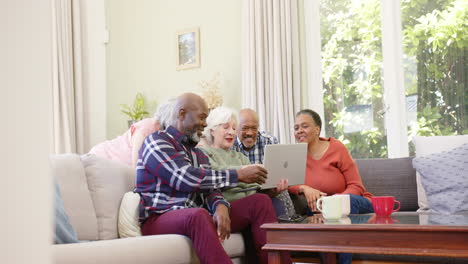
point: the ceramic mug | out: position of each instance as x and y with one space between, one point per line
383 205
346 204
342 221
334 207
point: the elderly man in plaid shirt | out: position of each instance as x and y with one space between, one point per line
251 143
180 193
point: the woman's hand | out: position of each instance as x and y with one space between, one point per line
312 195
223 222
280 186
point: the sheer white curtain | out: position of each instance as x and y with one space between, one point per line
271 65
69 80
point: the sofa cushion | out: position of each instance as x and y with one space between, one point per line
390 177
70 175
108 181
428 145
445 179
128 224
141 250
234 246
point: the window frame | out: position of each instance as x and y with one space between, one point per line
394 89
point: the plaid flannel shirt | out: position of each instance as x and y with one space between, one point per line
257 152
171 175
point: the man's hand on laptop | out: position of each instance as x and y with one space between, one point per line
253 173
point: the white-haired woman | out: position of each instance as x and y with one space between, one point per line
220 134
124 148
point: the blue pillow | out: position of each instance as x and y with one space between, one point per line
64 232
444 176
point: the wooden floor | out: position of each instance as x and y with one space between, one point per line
317 261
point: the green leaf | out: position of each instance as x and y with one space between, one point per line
137 111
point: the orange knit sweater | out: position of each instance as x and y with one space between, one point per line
334 173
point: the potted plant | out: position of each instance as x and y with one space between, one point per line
135 112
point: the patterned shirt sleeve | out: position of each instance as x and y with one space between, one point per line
161 157
215 198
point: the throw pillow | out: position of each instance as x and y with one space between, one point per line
108 181
445 179
428 145
70 175
64 232
128 224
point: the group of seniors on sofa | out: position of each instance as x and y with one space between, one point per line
197 191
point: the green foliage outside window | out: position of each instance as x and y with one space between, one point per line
434 38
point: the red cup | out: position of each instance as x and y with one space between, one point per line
383 205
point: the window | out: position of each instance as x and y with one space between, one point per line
420 47
434 61
352 75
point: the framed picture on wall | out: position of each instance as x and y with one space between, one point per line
188 49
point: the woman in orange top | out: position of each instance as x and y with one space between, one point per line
330 168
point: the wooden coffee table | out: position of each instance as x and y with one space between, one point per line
400 234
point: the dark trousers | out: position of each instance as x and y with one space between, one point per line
248 213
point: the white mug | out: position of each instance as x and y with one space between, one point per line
346 204
334 207
342 221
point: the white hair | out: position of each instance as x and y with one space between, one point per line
218 116
165 112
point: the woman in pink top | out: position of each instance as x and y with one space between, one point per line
330 168
125 148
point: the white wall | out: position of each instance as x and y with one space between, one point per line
95 97
25 81
141 51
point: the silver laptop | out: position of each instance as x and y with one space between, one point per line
285 161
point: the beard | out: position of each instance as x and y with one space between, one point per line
192 137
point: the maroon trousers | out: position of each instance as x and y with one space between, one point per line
197 224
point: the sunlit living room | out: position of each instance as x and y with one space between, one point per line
387 78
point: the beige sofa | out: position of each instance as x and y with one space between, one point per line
92 189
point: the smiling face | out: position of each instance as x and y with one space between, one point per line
305 129
224 135
248 128
194 120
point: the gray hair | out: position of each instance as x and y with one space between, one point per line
165 112
218 116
